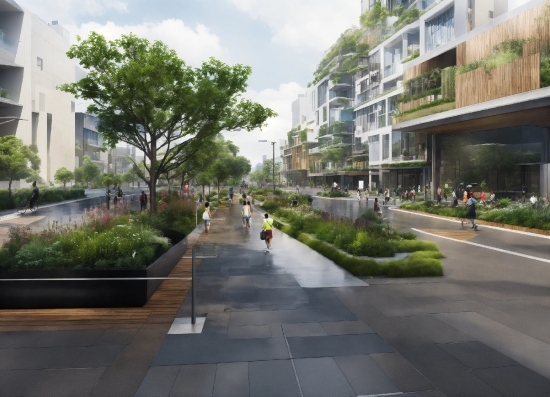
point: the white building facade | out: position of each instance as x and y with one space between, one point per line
33 62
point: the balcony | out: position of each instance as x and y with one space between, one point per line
314 150
340 101
341 128
340 83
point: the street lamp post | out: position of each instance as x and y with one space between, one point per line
273 145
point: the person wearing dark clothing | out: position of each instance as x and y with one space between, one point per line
108 197
35 195
142 201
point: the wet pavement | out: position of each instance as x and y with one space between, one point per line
290 322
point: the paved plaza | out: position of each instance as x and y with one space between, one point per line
291 323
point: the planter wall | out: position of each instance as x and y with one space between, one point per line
35 294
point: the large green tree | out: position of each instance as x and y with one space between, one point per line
63 175
145 95
17 161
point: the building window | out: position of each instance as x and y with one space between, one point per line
40 63
374 147
316 117
385 146
440 30
324 114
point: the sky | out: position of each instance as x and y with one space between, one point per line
282 40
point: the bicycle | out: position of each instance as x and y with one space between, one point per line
24 205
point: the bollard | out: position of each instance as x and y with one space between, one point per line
193 319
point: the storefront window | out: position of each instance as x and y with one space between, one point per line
385 146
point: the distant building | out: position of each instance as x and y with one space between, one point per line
119 159
89 142
33 63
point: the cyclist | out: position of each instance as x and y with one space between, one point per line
230 195
35 195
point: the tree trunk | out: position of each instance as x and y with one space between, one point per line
9 189
218 192
153 178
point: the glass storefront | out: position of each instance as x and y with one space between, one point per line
501 160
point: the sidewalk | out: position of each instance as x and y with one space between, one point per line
274 327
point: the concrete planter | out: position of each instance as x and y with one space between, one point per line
24 290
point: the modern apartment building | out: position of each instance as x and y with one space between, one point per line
452 91
89 142
33 63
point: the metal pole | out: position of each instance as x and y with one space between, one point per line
193 318
273 144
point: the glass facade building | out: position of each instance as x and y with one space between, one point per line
502 159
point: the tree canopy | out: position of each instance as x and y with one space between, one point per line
17 161
63 175
145 95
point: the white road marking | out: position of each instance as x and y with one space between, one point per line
535 258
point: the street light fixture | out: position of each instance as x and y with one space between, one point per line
272 144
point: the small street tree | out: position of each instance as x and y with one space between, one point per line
63 175
267 170
17 161
145 95
89 170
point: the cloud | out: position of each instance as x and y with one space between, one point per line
193 45
313 24
280 101
66 10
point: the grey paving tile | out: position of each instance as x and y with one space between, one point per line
17 382
39 357
283 296
272 379
216 323
206 349
401 372
337 345
124 377
303 329
365 376
15 339
194 381
515 381
231 380
52 382
346 328
290 316
445 372
117 337
249 332
98 356
427 393
477 355
158 382
321 377
242 307
244 297
276 330
68 338
275 281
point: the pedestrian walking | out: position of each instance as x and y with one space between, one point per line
206 216
454 198
108 197
246 214
471 214
359 196
413 194
267 225
438 195
377 207
386 196
367 196
142 201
